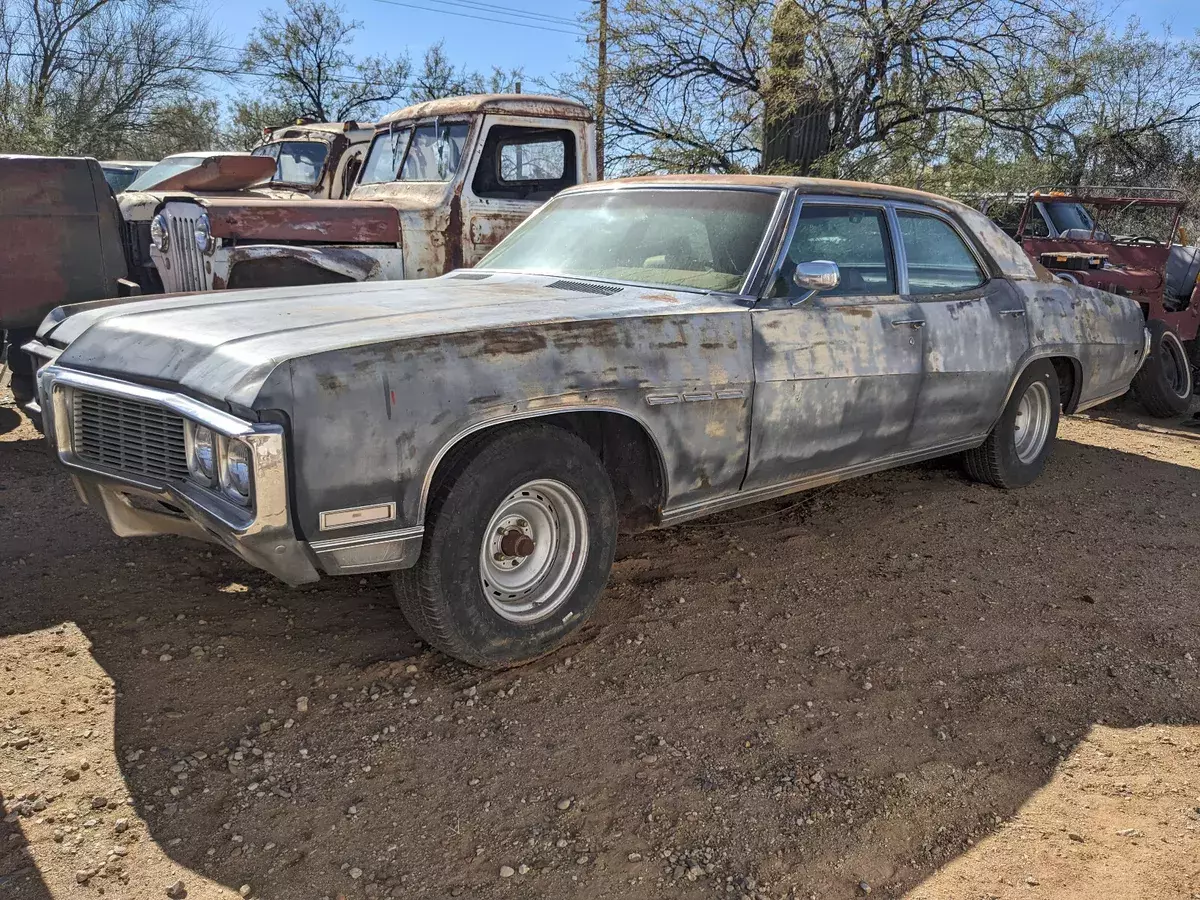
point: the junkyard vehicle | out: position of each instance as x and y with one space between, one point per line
1065 230
120 173
60 242
442 183
312 160
640 352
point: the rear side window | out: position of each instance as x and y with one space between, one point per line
856 238
938 260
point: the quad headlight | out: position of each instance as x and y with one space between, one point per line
237 471
160 233
203 461
203 234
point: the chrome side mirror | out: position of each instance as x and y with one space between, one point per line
814 277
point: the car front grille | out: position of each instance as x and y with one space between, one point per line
186 262
129 436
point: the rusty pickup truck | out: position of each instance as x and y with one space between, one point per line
640 352
442 183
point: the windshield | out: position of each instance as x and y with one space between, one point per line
427 153
119 177
296 162
1066 216
694 238
166 169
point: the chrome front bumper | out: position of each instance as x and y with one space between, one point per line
262 534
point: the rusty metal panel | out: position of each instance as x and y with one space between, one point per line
324 221
538 105
60 237
221 173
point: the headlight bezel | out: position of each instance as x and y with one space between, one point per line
221 475
202 235
160 233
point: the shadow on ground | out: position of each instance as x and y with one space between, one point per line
799 696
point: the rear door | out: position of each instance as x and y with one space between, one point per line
976 329
837 374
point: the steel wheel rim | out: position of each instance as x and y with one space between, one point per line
1032 425
1178 369
527 581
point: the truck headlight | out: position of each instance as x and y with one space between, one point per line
160 233
203 233
203 458
237 470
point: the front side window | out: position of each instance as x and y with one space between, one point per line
856 238
938 260
296 162
696 239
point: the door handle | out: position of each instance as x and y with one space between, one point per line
1015 313
910 323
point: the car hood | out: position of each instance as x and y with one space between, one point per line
224 345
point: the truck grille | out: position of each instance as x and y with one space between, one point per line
187 265
129 436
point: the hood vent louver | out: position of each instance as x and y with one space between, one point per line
584 287
471 276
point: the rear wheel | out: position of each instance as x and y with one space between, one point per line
519 541
1163 385
1016 451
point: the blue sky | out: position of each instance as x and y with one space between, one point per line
391 28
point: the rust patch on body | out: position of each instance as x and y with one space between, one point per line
516 342
662 298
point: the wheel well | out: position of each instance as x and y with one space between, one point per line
1070 381
624 446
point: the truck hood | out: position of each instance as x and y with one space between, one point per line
317 221
223 346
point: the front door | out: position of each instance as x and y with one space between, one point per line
976 331
519 165
837 375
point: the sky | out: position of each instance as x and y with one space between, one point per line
541 47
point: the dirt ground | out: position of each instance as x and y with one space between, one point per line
907 685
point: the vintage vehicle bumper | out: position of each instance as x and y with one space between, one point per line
148 493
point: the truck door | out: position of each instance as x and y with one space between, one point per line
517 166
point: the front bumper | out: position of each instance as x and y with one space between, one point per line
262 534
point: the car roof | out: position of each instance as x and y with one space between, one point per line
205 154
128 162
537 105
830 186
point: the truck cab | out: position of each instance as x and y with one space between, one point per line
442 182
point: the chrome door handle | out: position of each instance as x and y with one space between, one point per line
1015 313
910 323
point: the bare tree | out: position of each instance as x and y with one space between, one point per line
439 77
98 76
306 52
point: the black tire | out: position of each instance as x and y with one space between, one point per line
1163 385
443 596
21 367
999 461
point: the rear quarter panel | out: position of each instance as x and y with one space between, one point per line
1102 331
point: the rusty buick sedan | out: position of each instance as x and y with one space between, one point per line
638 353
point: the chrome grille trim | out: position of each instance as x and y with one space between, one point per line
129 436
186 260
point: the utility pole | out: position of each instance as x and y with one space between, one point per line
601 84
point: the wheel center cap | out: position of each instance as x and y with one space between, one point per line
516 543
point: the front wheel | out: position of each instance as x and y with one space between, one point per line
519 541
1016 451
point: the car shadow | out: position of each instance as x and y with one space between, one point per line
853 684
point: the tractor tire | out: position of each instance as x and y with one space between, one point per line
1163 385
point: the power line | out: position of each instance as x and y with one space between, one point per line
578 30
510 11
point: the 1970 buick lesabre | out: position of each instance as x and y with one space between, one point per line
638 353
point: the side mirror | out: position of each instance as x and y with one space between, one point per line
816 276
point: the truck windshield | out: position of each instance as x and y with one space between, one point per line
700 239
1068 216
429 152
296 162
